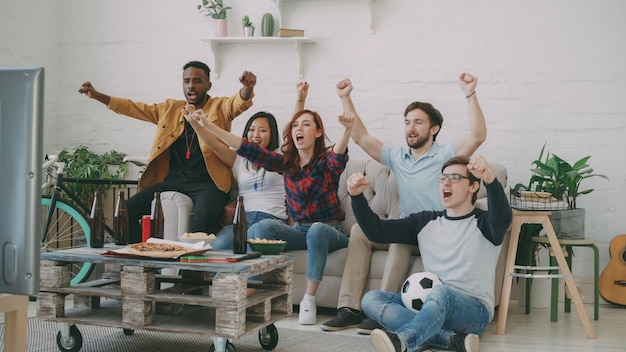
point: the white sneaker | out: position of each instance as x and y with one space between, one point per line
308 313
472 343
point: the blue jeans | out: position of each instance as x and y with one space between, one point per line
224 238
446 312
318 239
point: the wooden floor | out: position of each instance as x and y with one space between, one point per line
533 332
524 333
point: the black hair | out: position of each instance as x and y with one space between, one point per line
271 120
274 135
201 65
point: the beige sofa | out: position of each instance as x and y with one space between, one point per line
383 198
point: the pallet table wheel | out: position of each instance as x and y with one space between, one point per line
221 344
69 338
268 337
129 332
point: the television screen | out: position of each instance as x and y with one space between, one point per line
21 134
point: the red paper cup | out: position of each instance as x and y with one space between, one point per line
145 228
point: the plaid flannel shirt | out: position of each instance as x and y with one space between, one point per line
311 192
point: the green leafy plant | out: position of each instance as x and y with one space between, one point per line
85 164
214 9
559 178
562 180
245 21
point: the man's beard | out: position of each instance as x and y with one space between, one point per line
419 143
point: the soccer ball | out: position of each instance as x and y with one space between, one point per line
415 289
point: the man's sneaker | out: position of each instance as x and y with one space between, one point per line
367 326
345 318
465 343
386 341
308 313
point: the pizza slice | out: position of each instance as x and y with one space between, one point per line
157 250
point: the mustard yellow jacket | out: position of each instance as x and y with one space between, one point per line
171 124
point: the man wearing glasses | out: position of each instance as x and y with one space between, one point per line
416 168
459 244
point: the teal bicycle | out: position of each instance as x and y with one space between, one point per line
66 225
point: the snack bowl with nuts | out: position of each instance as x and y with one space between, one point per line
266 246
193 237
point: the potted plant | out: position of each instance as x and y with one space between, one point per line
561 180
216 10
554 185
84 163
248 27
115 163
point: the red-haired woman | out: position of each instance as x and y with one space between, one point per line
311 172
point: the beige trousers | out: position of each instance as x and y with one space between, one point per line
357 267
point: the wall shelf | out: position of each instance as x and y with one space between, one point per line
298 43
281 12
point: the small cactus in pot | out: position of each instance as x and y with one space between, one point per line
267 25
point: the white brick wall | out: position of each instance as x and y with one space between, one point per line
548 71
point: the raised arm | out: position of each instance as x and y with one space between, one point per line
372 145
224 152
499 210
303 90
347 120
88 89
205 129
467 145
248 79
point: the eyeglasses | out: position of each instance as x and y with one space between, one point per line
454 178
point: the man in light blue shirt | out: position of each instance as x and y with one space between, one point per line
415 167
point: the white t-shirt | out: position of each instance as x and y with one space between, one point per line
262 190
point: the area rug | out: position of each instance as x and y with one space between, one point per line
42 338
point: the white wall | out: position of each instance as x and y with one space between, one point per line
548 71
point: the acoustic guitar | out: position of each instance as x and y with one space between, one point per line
613 278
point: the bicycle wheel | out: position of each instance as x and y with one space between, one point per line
68 229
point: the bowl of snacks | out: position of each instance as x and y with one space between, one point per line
266 246
193 237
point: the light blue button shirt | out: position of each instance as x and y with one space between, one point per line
417 179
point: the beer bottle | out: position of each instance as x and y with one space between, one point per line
240 228
156 217
120 220
96 222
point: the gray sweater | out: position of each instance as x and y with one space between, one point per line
461 251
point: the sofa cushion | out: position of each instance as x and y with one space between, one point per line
382 195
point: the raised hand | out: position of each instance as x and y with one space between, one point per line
468 83
344 88
248 79
196 118
347 119
302 88
88 89
188 110
357 183
481 169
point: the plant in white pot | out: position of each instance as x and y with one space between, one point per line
216 10
248 27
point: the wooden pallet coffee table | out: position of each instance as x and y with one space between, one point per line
211 298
